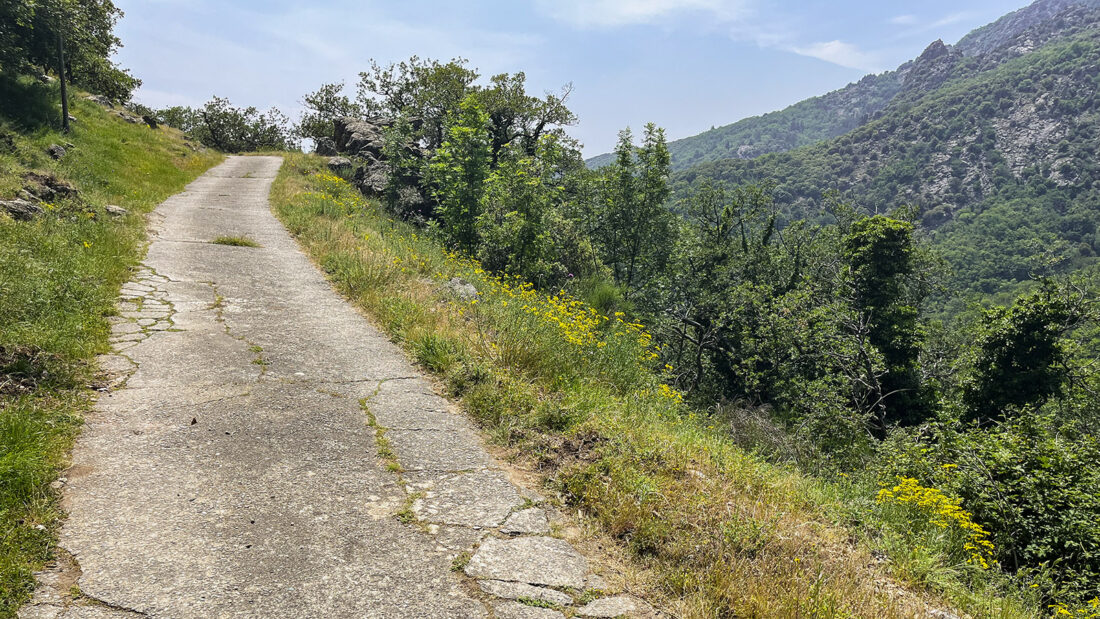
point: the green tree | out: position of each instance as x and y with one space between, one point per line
403 162
16 22
87 29
323 106
1021 359
426 92
635 229
524 227
515 116
220 125
880 254
457 173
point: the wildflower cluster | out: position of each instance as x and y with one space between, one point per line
338 192
1090 611
587 332
562 326
578 323
946 513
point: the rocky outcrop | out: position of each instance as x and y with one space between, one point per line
362 143
55 151
100 100
931 69
338 163
325 147
48 188
128 117
20 209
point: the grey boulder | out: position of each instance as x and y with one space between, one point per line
20 209
339 163
325 147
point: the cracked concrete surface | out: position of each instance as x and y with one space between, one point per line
231 470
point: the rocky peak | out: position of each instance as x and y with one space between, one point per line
932 68
935 50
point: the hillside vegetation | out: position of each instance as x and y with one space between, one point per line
805 122
60 273
578 396
834 114
1000 162
955 451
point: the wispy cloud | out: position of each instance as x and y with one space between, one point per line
840 53
611 13
744 20
952 18
917 27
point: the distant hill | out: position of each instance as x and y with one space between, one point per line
838 112
994 139
803 123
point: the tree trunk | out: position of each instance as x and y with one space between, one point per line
61 77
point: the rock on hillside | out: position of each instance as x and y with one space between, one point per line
362 141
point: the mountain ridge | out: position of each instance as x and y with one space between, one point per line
999 159
840 111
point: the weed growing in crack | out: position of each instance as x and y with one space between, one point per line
460 562
406 515
235 241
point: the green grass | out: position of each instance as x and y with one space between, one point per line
712 530
235 241
59 279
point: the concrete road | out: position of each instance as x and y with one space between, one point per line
231 470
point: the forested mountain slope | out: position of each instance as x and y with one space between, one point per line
836 113
806 122
999 157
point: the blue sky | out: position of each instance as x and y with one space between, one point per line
686 65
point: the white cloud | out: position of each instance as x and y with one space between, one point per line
840 53
953 18
610 13
918 28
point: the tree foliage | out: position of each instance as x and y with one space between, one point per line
635 227
879 251
457 173
221 125
322 107
29 33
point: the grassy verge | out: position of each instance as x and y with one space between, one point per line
59 278
577 397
